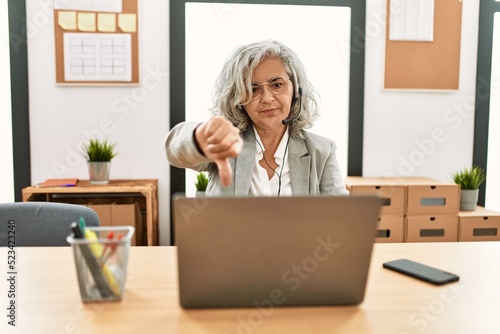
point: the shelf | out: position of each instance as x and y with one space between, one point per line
144 192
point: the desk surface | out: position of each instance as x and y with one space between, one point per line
49 301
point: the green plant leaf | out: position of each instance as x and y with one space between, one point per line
201 181
99 150
471 178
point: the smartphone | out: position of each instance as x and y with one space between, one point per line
421 271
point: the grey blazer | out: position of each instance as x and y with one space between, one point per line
314 169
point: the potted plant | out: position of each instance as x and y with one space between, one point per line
99 154
469 179
201 183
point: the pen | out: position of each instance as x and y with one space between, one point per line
99 279
109 250
81 223
106 250
77 231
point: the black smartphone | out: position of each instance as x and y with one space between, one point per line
421 271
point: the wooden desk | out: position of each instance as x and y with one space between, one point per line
49 301
115 191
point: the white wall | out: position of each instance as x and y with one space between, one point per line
135 117
398 136
493 167
6 166
316 41
399 126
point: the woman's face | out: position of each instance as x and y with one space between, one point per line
268 109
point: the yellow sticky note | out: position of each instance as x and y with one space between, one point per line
67 20
106 22
127 22
86 21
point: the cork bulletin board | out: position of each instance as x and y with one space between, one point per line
426 65
96 42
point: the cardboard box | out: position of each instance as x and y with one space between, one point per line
390 229
431 228
119 215
392 191
431 197
479 225
104 213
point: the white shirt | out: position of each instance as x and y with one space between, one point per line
261 184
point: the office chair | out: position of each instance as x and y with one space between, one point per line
41 223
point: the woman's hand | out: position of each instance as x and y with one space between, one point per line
220 140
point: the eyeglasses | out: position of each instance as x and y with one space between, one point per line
275 86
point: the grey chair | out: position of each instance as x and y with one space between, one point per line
42 223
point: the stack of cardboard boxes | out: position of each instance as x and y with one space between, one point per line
392 212
115 214
432 210
414 210
418 209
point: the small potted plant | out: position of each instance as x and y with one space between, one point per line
201 183
469 180
99 154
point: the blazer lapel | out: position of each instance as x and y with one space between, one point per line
244 165
299 161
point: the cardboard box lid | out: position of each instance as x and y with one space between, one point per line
373 181
430 219
395 181
425 181
479 212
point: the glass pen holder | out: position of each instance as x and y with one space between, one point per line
101 260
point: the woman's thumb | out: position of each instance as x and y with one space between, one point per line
225 171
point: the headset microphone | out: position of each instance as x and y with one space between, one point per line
291 119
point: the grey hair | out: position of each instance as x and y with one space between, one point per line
234 82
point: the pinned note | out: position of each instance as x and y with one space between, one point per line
411 20
113 6
86 22
106 22
67 20
127 22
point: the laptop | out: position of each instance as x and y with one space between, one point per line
274 251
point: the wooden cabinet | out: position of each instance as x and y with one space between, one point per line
142 192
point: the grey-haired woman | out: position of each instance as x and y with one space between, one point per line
256 142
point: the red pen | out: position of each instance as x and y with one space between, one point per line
107 249
110 248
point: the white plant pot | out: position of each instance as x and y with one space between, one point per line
468 199
99 172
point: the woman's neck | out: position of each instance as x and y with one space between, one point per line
270 139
